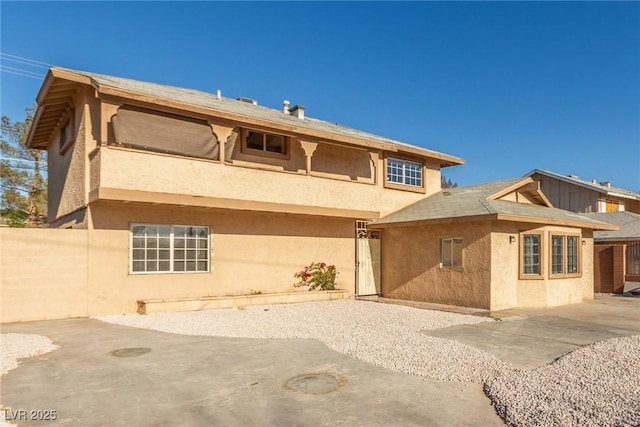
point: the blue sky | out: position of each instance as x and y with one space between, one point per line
509 87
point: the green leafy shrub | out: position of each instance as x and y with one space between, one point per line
317 275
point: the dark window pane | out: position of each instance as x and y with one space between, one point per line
191 266
202 266
164 266
138 265
152 265
255 140
178 266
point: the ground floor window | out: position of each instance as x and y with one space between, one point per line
531 261
565 255
169 248
451 253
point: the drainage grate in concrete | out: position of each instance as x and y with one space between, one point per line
130 352
315 383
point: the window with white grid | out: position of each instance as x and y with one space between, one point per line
404 172
169 248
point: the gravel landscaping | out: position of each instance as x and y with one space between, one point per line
597 385
19 346
382 334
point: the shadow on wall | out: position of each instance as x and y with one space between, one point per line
118 216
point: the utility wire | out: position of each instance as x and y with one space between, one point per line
17 159
27 61
18 72
26 72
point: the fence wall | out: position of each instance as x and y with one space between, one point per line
43 274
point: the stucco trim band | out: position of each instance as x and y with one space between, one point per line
115 194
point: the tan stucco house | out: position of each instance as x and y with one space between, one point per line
184 194
164 198
492 246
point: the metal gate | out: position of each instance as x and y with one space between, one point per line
367 260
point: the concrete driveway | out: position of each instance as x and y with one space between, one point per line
530 338
211 381
104 374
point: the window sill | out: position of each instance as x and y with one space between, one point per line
403 187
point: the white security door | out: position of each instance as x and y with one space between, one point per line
367 261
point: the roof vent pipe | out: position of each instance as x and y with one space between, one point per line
606 184
298 111
219 94
285 106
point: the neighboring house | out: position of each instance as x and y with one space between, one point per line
617 253
493 246
614 250
187 194
577 195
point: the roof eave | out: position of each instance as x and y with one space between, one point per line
556 221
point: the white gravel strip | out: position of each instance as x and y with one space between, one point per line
382 334
19 346
597 385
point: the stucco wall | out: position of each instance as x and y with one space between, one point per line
551 292
250 252
410 263
142 171
66 171
43 274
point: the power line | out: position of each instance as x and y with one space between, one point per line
17 159
18 72
27 61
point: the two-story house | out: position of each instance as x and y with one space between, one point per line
187 194
617 253
177 198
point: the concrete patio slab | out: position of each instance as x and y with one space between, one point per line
104 374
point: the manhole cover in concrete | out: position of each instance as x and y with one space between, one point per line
320 383
130 352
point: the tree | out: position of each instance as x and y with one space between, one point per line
447 183
23 202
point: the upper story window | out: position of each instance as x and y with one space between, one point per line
612 205
404 172
266 144
66 134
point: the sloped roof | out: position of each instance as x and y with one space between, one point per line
477 202
213 103
628 222
595 186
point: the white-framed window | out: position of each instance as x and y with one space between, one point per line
404 172
565 255
451 252
157 248
262 143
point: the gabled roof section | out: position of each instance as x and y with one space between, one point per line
229 109
486 202
591 185
628 222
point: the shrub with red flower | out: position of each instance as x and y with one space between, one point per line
317 275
